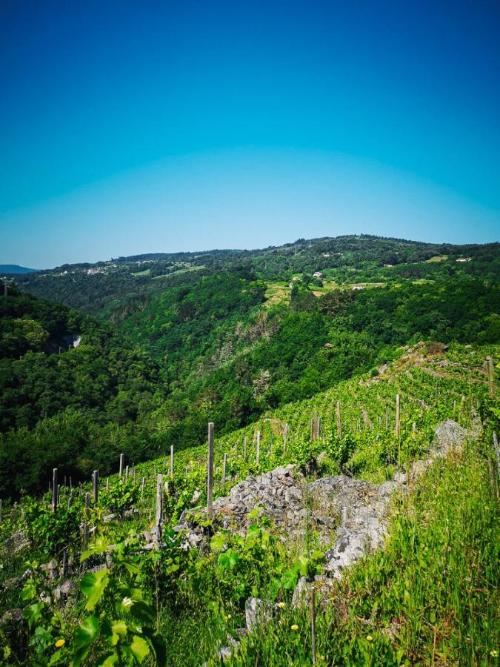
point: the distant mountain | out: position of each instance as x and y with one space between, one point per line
14 268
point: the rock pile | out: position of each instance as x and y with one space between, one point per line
350 515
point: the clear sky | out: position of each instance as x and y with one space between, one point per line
146 126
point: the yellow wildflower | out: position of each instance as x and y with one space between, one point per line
369 638
494 653
281 605
294 627
60 643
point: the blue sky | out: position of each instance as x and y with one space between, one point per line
130 127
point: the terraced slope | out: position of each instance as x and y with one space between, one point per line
432 387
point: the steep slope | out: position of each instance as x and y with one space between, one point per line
393 607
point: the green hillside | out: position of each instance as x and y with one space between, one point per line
396 608
367 365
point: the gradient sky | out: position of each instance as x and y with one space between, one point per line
146 126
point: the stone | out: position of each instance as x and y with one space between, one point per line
448 435
257 612
17 542
63 591
11 616
50 568
302 595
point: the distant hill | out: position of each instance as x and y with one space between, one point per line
111 289
14 268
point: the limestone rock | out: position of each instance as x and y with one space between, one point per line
448 435
257 612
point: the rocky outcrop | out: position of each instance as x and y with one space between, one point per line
350 515
363 510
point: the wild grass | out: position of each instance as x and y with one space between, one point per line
429 598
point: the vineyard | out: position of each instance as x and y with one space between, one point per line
100 573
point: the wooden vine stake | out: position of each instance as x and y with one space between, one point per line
245 440
55 490
85 527
339 420
313 624
122 463
210 467
315 427
285 437
171 461
491 374
159 509
312 431
95 486
366 419
257 448
224 466
85 536
398 417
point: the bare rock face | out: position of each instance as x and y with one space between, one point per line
257 612
448 435
278 493
362 508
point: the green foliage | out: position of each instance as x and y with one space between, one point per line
50 532
121 626
121 495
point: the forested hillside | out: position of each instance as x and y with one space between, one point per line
70 391
353 477
113 288
221 340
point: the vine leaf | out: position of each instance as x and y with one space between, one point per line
93 585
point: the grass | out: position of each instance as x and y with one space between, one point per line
429 598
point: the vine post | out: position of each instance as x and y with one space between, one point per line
210 467
313 624
224 467
491 374
95 486
339 419
285 438
55 490
159 509
397 429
